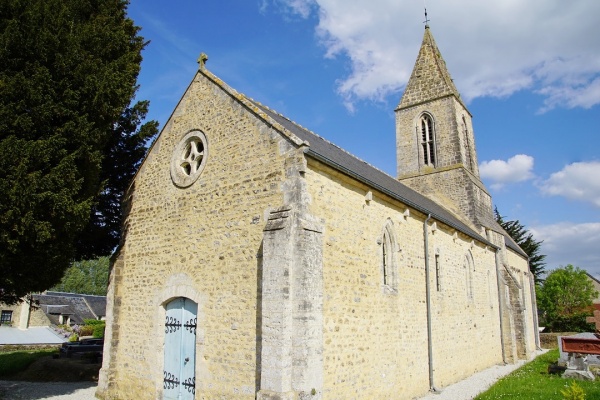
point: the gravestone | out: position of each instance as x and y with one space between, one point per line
564 356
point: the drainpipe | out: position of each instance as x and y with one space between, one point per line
428 294
500 303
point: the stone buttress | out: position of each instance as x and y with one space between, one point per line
291 359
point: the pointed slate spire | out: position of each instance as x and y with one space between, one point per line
430 78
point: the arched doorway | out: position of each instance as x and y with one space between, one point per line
179 378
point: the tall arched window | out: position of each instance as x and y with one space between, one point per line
428 140
469 272
388 257
467 145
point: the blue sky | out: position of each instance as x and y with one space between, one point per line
529 72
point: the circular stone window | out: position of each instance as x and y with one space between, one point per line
189 158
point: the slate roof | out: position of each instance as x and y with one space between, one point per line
350 165
345 162
77 306
96 303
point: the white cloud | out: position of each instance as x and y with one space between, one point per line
577 181
491 48
567 243
516 169
300 7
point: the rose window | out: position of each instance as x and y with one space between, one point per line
189 158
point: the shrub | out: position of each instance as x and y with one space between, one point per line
93 322
573 392
99 330
86 330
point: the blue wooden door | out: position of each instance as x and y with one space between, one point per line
179 381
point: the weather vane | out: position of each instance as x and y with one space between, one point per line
426 22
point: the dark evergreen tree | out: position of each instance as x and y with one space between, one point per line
525 240
68 72
126 149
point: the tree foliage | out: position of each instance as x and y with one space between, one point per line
565 299
126 149
85 277
525 240
68 71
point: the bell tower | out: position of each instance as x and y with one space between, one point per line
435 145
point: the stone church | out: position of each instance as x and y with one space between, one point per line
261 261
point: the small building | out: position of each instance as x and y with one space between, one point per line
261 261
54 308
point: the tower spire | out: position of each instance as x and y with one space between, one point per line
430 78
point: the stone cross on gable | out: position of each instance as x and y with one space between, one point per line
202 60
595 320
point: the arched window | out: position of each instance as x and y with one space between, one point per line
388 257
467 145
428 139
438 271
469 266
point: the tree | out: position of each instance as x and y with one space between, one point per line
85 277
565 299
68 71
525 240
126 149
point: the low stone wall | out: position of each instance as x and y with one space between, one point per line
550 340
18 347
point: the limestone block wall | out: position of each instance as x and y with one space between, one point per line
23 319
375 337
457 190
38 318
520 270
454 180
451 137
16 312
202 242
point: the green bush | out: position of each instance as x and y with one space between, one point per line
93 322
573 392
86 330
571 323
99 330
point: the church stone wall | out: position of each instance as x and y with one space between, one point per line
520 270
447 116
202 242
375 338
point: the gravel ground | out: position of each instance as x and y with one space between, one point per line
21 390
18 390
475 384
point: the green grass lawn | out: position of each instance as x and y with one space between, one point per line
532 382
16 361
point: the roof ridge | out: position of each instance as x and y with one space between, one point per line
244 100
319 136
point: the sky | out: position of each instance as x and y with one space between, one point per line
529 72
